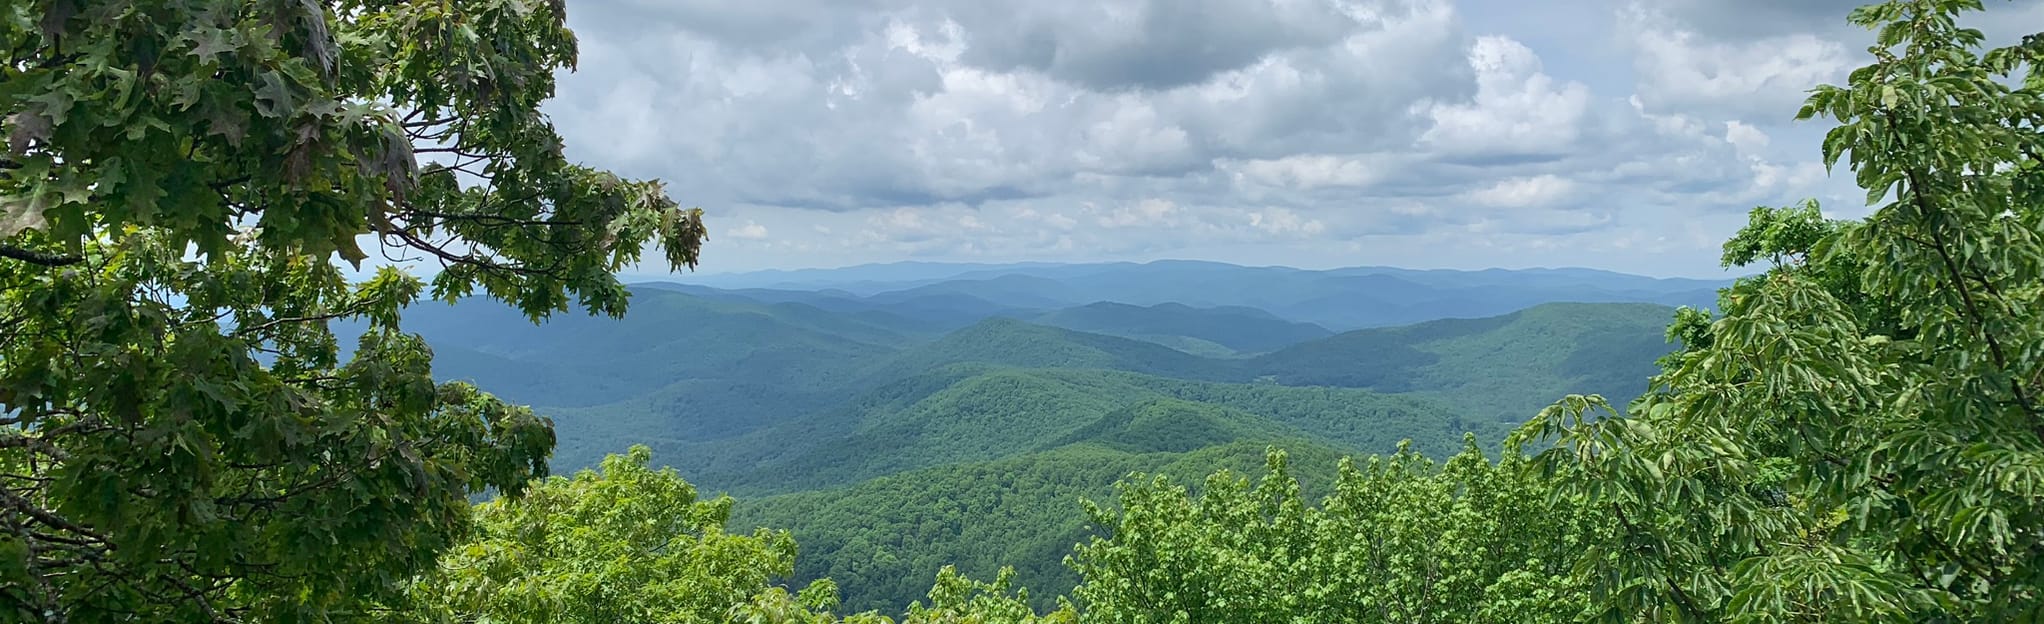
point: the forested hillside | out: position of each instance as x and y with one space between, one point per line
1204 331
1497 368
744 367
829 400
775 398
883 539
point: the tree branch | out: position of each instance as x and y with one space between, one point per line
38 258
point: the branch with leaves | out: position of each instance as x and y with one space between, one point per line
197 168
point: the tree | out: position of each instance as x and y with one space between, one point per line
628 544
179 439
1860 436
1401 539
955 599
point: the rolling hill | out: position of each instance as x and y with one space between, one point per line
1503 368
976 412
772 401
1235 329
1010 342
897 426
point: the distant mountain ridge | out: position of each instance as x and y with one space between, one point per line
1337 299
880 277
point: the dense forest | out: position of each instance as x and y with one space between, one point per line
805 417
205 418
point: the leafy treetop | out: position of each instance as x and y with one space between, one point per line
179 440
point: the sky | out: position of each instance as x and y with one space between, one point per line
1629 135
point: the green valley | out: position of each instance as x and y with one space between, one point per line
821 422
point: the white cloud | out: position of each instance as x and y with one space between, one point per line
1750 141
1765 77
752 230
1285 223
1305 171
1517 110
1146 213
874 130
1524 192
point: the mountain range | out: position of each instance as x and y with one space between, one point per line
1337 299
902 417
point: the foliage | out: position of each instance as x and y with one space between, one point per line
1860 436
180 439
955 599
628 544
1400 539
759 398
882 539
970 413
1015 343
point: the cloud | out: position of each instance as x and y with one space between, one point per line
1114 45
1759 72
1305 171
1753 20
1517 111
1524 192
1146 213
1279 131
1285 222
1745 138
752 230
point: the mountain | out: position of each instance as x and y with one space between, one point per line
1503 367
1235 329
893 274
976 412
761 398
898 426
916 314
677 367
1010 342
1175 426
667 337
1012 291
1338 299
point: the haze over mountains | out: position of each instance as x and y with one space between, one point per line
1338 299
902 417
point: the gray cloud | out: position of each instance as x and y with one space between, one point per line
902 115
1747 20
1286 131
1145 44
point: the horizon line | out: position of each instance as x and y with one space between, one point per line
1730 273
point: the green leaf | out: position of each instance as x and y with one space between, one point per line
208 43
27 127
22 212
275 98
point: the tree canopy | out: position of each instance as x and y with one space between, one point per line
179 439
1860 436
627 544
